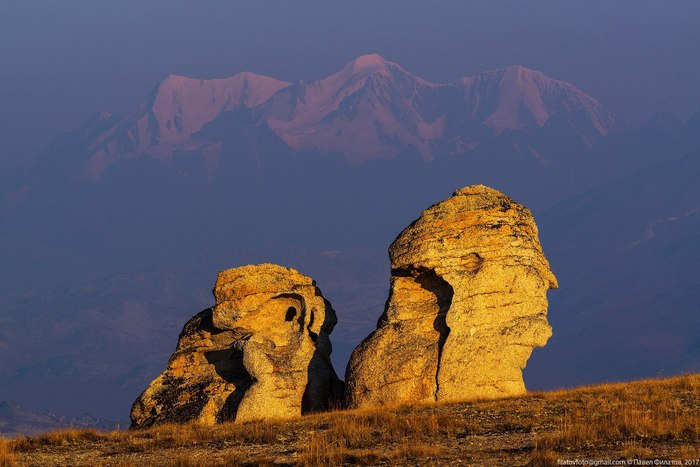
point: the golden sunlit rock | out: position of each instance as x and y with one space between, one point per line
466 307
261 352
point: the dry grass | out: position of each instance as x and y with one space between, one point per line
647 419
689 452
57 438
322 450
7 453
631 416
160 437
655 409
353 437
543 457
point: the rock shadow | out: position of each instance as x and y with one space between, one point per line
444 293
228 364
324 390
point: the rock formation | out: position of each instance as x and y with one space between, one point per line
466 307
261 352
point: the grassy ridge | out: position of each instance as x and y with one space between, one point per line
652 419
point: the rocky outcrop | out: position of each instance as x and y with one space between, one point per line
262 351
466 307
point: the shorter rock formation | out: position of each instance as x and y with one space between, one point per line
262 351
467 304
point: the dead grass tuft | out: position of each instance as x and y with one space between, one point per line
358 427
356 436
57 438
255 432
324 449
689 452
634 449
183 459
543 457
7 453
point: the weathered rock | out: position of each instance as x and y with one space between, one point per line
466 307
262 351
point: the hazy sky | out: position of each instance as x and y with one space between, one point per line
61 61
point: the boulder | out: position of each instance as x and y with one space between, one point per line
262 351
467 304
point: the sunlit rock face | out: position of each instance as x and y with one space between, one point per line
467 305
262 351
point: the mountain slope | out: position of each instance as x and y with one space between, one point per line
627 256
518 98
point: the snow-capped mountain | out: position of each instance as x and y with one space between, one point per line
517 98
368 110
177 108
371 109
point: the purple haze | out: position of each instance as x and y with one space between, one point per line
62 61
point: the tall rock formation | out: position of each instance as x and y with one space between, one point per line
466 307
262 351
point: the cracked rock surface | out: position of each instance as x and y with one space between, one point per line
467 304
262 351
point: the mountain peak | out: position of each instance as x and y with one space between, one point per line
173 78
369 62
173 81
365 65
182 105
520 69
520 73
522 97
367 110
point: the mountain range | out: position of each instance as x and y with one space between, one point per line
112 237
371 109
18 421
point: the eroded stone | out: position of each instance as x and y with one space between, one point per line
466 307
262 351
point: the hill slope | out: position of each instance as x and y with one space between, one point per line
627 256
654 419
